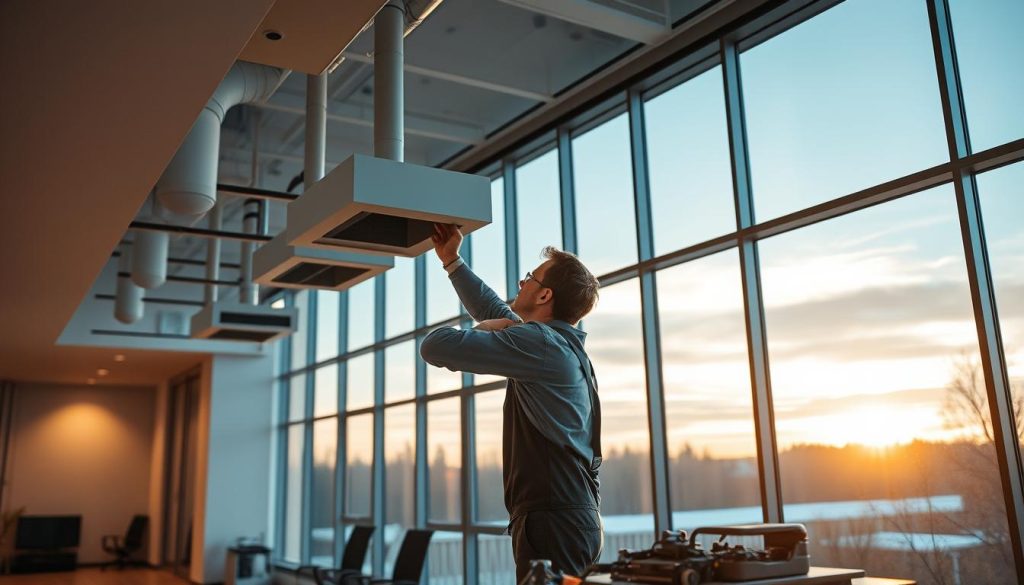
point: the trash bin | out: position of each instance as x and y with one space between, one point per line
247 564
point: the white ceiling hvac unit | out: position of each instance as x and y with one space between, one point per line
383 206
239 322
278 263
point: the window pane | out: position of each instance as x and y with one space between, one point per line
709 413
538 209
400 284
358 464
615 345
442 379
688 163
872 344
297 397
989 53
293 495
488 243
400 480
841 102
325 391
1002 206
490 500
442 302
298 339
400 371
326 324
361 314
603 175
444 559
325 453
444 449
360 388
496 564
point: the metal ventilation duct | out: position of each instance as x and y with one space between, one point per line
128 300
382 205
189 184
239 322
278 263
387 207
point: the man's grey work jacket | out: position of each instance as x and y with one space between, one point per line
551 432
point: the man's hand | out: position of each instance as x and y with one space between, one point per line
494 324
447 240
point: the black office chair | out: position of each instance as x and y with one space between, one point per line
409 563
351 560
123 547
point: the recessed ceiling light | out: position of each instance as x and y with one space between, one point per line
102 372
272 35
91 381
119 357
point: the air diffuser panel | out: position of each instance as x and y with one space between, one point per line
239 322
277 263
382 206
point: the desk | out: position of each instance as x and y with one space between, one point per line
816 576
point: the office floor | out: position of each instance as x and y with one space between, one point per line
97 577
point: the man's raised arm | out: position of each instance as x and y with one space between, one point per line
478 298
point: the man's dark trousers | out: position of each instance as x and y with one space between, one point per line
571 538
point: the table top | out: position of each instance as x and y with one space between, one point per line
817 575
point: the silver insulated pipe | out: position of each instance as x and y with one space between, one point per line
388 82
248 293
128 300
213 220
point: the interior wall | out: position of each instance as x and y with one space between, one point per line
84 450
234 470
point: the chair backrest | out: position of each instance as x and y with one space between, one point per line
136 532
412 556
355 548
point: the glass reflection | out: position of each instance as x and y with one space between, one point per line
321 513
400 300
293 494
361 314
298 339
444 559
400 478
327 306
497 566
488 243
360 388
325 391
490 500
539 210
297 397
444 453
358 465
400 371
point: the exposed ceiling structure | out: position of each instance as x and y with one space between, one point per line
103 104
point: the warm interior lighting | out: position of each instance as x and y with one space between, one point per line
90 381
119 357
102 372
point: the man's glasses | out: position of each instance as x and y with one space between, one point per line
529 276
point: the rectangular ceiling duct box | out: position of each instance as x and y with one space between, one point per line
386 207
280 264
239 322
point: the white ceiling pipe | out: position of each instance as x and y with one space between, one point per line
248 293
212 255
389 86
189 184
149 258
128 300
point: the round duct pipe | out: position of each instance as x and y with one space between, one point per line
128 300
189 184
149 258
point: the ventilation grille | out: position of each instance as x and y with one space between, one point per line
255 319
379 229
319 275
241 335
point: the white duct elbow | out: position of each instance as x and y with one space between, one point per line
149 259
189 184
128 299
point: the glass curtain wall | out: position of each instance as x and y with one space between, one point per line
794 227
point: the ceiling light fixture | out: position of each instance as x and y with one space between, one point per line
90 381
102 372
119 357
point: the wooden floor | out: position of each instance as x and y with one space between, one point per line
97 577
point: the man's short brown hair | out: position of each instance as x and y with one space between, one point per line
575 288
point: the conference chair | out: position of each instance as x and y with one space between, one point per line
123 547
351 560
408 564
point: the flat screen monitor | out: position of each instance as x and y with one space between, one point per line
48 532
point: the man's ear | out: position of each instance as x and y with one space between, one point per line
545 296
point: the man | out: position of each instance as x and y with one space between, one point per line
552 417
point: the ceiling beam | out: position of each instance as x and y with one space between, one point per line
363 116
599 17
461 79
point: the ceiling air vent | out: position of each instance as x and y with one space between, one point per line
386 207
277 263
239 322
